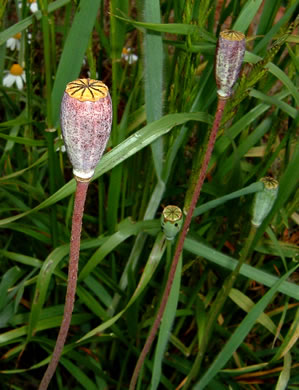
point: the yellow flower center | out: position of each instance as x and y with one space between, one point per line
16 70
17 35
32 1
125 51
87 89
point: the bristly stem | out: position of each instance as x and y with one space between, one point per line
179 247
79 203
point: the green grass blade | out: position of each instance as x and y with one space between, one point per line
166 325
247 14
153 61
172 28
25 23
150 267
77 373
240 333
251 189
275 29
290 289
276 71
289 110
76 42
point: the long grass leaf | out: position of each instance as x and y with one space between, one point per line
77 42
239 334
165 328
247 14
199 249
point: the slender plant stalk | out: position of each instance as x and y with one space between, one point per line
220 107
217 306
80 197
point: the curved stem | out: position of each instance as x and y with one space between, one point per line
180 244
80 197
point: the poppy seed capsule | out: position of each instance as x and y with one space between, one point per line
171 221
86 118
229 58
264 200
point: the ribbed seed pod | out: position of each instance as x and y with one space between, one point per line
229 58
86 118
264 200
171 221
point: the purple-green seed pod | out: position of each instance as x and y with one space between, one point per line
229 58
264 200
86 118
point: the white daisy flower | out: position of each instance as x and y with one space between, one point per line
14 42
128 56
33 6
16 75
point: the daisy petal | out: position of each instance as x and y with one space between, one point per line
19 82
8 80
33 7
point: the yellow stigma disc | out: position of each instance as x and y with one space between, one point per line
269 182
172 213
87 90
232 35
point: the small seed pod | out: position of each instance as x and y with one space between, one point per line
171 221
86 117
264 200
229 58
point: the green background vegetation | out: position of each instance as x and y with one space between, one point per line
163 106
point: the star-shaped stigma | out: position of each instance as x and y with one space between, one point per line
172 213
269 182
87 89
232 35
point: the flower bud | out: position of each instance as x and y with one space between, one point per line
229 57
86 117
264 200
171 221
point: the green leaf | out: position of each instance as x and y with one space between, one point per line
171 28
23 24
166 325
73 52
247 14
199 249
239 334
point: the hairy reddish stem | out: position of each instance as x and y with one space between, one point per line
80 197
180 243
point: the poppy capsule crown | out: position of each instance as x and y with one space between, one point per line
229 58
86 118
171 221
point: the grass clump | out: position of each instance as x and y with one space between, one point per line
157 59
